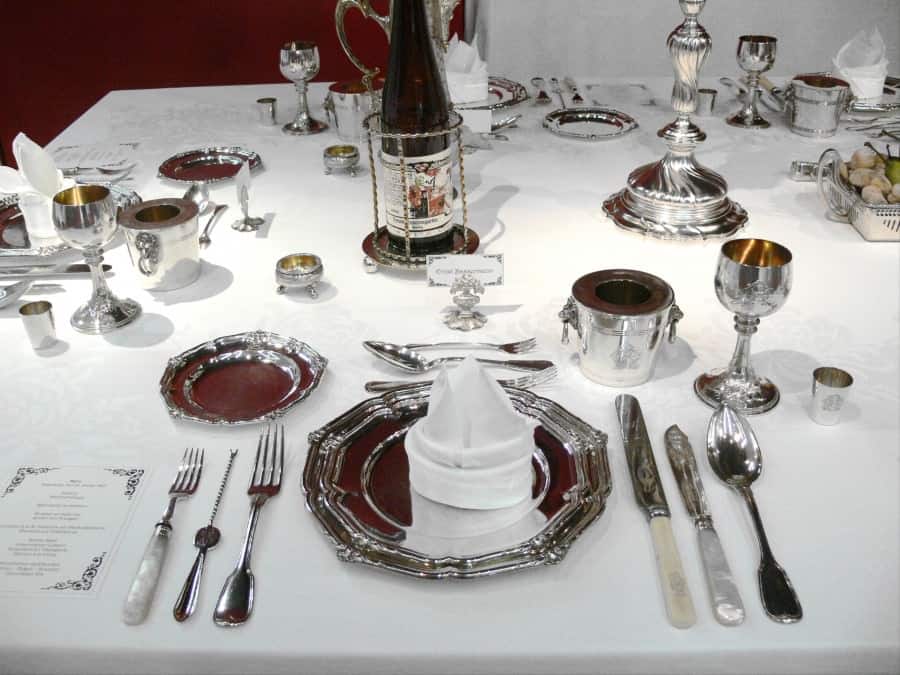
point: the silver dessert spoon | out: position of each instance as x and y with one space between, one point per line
414 362
210 224
735 457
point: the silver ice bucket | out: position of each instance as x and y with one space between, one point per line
348 103
815 102
163 243
621 317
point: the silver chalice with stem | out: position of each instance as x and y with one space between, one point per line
753 280
300 63
85 219
755 55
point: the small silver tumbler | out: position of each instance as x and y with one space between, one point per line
38 319
829 394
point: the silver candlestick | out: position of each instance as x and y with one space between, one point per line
676 197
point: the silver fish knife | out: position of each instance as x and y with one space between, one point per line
648 491
723 592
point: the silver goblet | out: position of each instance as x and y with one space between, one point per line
300 63
85 219
753 280
755 55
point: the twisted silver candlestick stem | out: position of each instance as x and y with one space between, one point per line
676 197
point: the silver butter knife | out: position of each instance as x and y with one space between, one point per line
648 491
726 600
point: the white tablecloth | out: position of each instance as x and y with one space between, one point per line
829 496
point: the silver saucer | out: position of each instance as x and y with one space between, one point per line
589 124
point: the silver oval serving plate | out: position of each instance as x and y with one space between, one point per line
208 165
589 124
241 379
356 482
502 93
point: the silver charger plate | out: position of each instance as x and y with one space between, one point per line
502 93
589 124
213 164
14 240
357 486
890 102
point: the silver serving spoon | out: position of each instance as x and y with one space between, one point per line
199 194
210 224
735 457
414 362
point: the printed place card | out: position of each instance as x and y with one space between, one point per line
59 526
442 270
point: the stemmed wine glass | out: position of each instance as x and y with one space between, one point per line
300 63
755 55
85 219
753 279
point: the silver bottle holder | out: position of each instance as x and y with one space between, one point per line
620 317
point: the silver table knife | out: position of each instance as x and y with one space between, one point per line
726 600
650 497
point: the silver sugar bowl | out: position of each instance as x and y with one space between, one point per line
621 317
299 270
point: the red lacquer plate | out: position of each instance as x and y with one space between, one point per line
241 379
208 165
357 485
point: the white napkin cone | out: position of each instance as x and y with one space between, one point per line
472 450
36 166
467 76
862 63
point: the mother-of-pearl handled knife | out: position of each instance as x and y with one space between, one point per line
723 593
650 497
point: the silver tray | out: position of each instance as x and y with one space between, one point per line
209 165
356 485
589 124
241 379
502 93
14 241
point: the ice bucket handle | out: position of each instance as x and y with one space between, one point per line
148 246
828 180
569 315
675 316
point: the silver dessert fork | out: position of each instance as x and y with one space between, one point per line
236 599
140 596
523 382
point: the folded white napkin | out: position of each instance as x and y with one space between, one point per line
472 450
467 76
36 166
862 63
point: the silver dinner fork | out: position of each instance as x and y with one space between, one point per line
236 599
140 596
540 377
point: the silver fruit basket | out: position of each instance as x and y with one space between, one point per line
875 222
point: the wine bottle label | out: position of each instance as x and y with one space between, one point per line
429 195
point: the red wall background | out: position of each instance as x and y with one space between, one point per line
61 56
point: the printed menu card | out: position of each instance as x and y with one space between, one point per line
60 525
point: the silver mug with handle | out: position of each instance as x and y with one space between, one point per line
162 237
621 317
347 105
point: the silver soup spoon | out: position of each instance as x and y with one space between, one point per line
735 457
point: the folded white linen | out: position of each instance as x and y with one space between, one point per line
862 62
467 76
472 450
36 166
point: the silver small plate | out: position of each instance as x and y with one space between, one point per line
502 93
241 379
589 124
208 165
356 481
